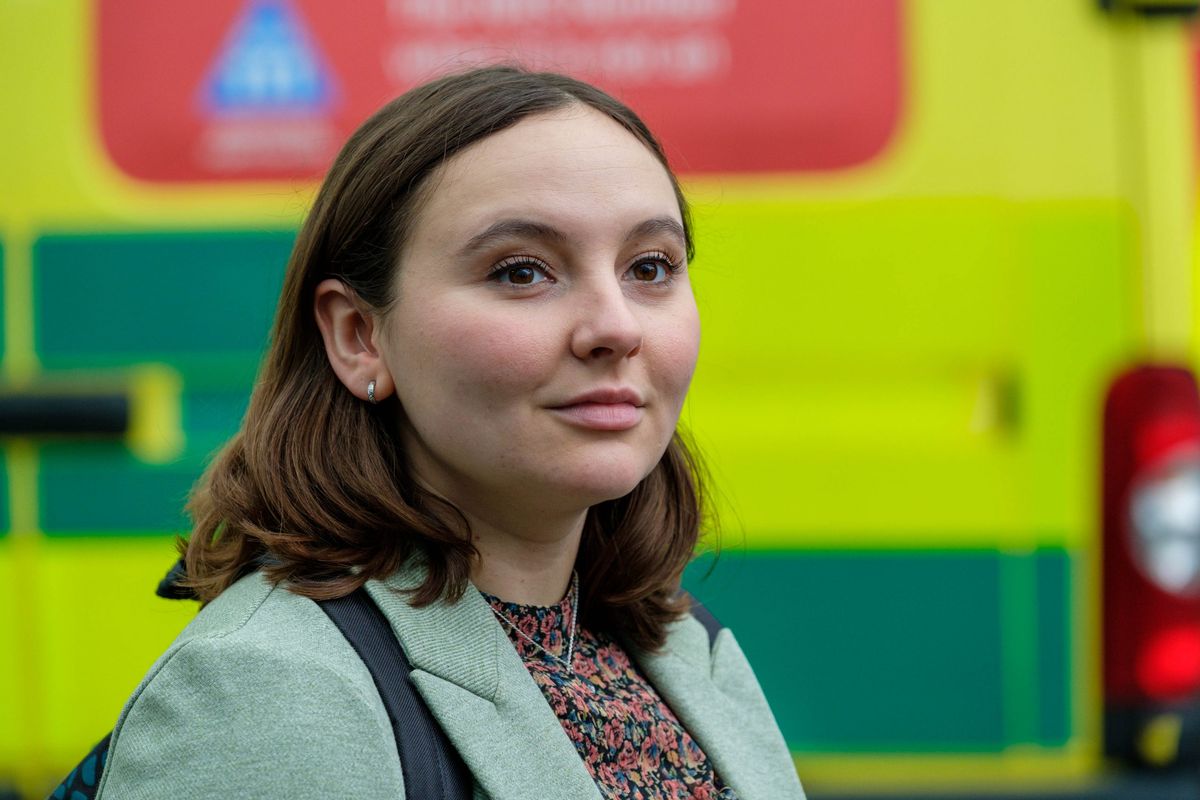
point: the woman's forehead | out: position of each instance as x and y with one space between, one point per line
570 169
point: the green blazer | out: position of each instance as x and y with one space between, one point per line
262 697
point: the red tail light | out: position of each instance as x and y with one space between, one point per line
1152 537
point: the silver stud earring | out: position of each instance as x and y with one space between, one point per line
371 392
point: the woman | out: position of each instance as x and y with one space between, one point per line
482 347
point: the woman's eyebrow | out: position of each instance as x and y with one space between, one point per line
530 229
659 225
512 229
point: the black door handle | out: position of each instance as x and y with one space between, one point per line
48 414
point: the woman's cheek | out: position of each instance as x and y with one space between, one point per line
496 356
680 351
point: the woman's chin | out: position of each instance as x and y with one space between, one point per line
601 485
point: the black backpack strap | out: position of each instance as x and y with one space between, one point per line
171 588
706 618
431 766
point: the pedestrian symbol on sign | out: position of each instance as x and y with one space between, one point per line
268 66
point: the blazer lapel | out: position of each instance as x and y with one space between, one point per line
683 675
481 694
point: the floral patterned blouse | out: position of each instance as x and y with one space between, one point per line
628 738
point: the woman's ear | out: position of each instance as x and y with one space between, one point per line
351 330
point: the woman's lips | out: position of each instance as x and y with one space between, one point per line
600 416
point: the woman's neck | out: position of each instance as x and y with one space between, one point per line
532 567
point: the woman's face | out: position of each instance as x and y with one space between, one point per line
544 331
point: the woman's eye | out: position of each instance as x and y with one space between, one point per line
652 270
519 274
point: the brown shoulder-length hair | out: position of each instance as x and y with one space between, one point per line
315 488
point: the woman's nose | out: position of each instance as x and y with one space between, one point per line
607 325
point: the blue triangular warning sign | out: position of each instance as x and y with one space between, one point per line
268 65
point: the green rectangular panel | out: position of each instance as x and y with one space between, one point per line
212 416
200 301
95 487
5 516
1054 663
892 651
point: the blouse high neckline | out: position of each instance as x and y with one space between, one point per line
628 738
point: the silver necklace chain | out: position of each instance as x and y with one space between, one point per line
574 593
